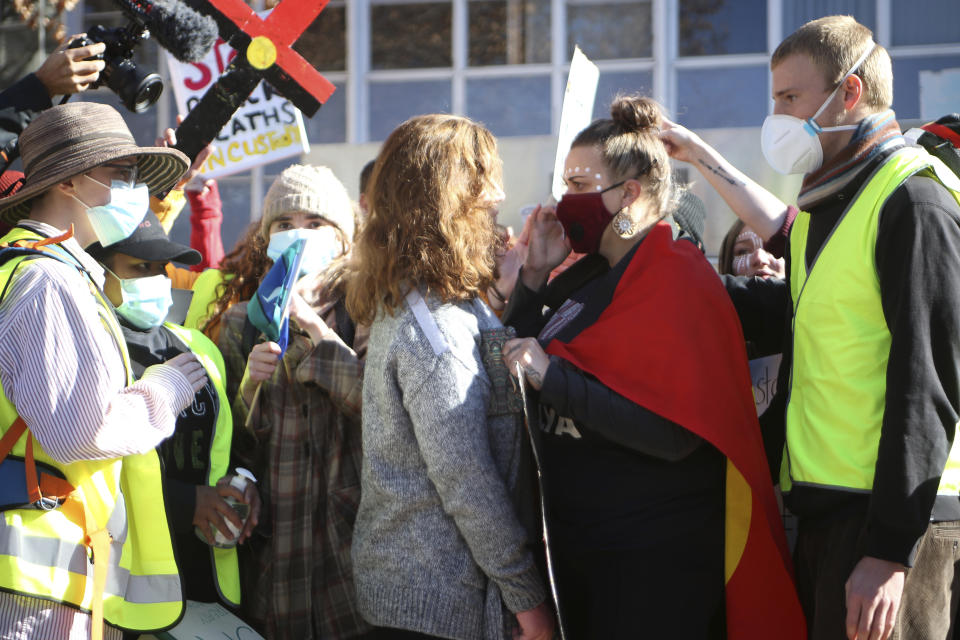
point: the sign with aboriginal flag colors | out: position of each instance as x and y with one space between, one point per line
267 128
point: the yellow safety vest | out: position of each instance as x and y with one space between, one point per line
43 552
204 294
224 560
841 343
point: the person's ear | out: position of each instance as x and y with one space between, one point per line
852 92
69 186
631 191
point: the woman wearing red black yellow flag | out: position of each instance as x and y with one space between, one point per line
663 522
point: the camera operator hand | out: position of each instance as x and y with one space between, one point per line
68 71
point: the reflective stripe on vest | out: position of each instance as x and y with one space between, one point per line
841 343
224 560
42 553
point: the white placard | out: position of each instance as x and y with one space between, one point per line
577 111
939 93
266 128
207 621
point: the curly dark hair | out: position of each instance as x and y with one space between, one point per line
242 270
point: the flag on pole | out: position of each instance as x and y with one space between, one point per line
269 309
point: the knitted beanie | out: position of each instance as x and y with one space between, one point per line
312 190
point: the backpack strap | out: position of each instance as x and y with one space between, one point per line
43 489
944 132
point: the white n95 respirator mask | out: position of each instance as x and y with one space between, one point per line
792 145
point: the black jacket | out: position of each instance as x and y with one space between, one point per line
918 265
19 104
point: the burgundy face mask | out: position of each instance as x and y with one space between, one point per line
584 217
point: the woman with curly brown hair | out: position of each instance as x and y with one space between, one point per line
438 547
235 280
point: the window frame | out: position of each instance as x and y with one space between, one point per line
663 65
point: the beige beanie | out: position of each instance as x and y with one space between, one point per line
312 190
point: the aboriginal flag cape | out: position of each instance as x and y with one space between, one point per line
700 380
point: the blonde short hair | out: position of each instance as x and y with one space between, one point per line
834 44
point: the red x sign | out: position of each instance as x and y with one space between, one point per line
271 40
264 53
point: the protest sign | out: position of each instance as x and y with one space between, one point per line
577 112
207 621
763 372
267 128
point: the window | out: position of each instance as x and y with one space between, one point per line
929 22
508 32
795 14
613 83
324 43
410 36
717 27
734 97
329 124
610 30
393 102
511 106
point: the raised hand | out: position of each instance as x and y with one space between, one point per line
548 247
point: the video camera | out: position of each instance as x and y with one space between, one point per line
138 89
186 34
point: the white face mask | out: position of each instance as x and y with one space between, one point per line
323 245
146 301
792 145
120 217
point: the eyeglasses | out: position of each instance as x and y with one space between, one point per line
126 172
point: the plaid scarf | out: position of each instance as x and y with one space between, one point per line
877 133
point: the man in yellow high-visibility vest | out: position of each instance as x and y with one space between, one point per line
871 375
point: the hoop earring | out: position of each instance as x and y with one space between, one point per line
624 225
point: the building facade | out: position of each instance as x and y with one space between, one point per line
505 62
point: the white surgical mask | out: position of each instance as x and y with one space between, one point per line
120 217
146 301
792 145
323 245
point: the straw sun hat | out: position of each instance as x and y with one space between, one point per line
71 139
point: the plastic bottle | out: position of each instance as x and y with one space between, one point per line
239 481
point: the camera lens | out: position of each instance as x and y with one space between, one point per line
147 93
138 90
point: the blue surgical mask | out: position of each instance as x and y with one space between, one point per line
146 301
120 217
323 245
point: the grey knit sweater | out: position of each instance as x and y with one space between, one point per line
437 546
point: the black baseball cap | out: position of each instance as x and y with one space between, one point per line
148 242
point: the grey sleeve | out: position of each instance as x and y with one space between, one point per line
599 409
447 406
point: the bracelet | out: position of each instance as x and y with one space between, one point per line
496 294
